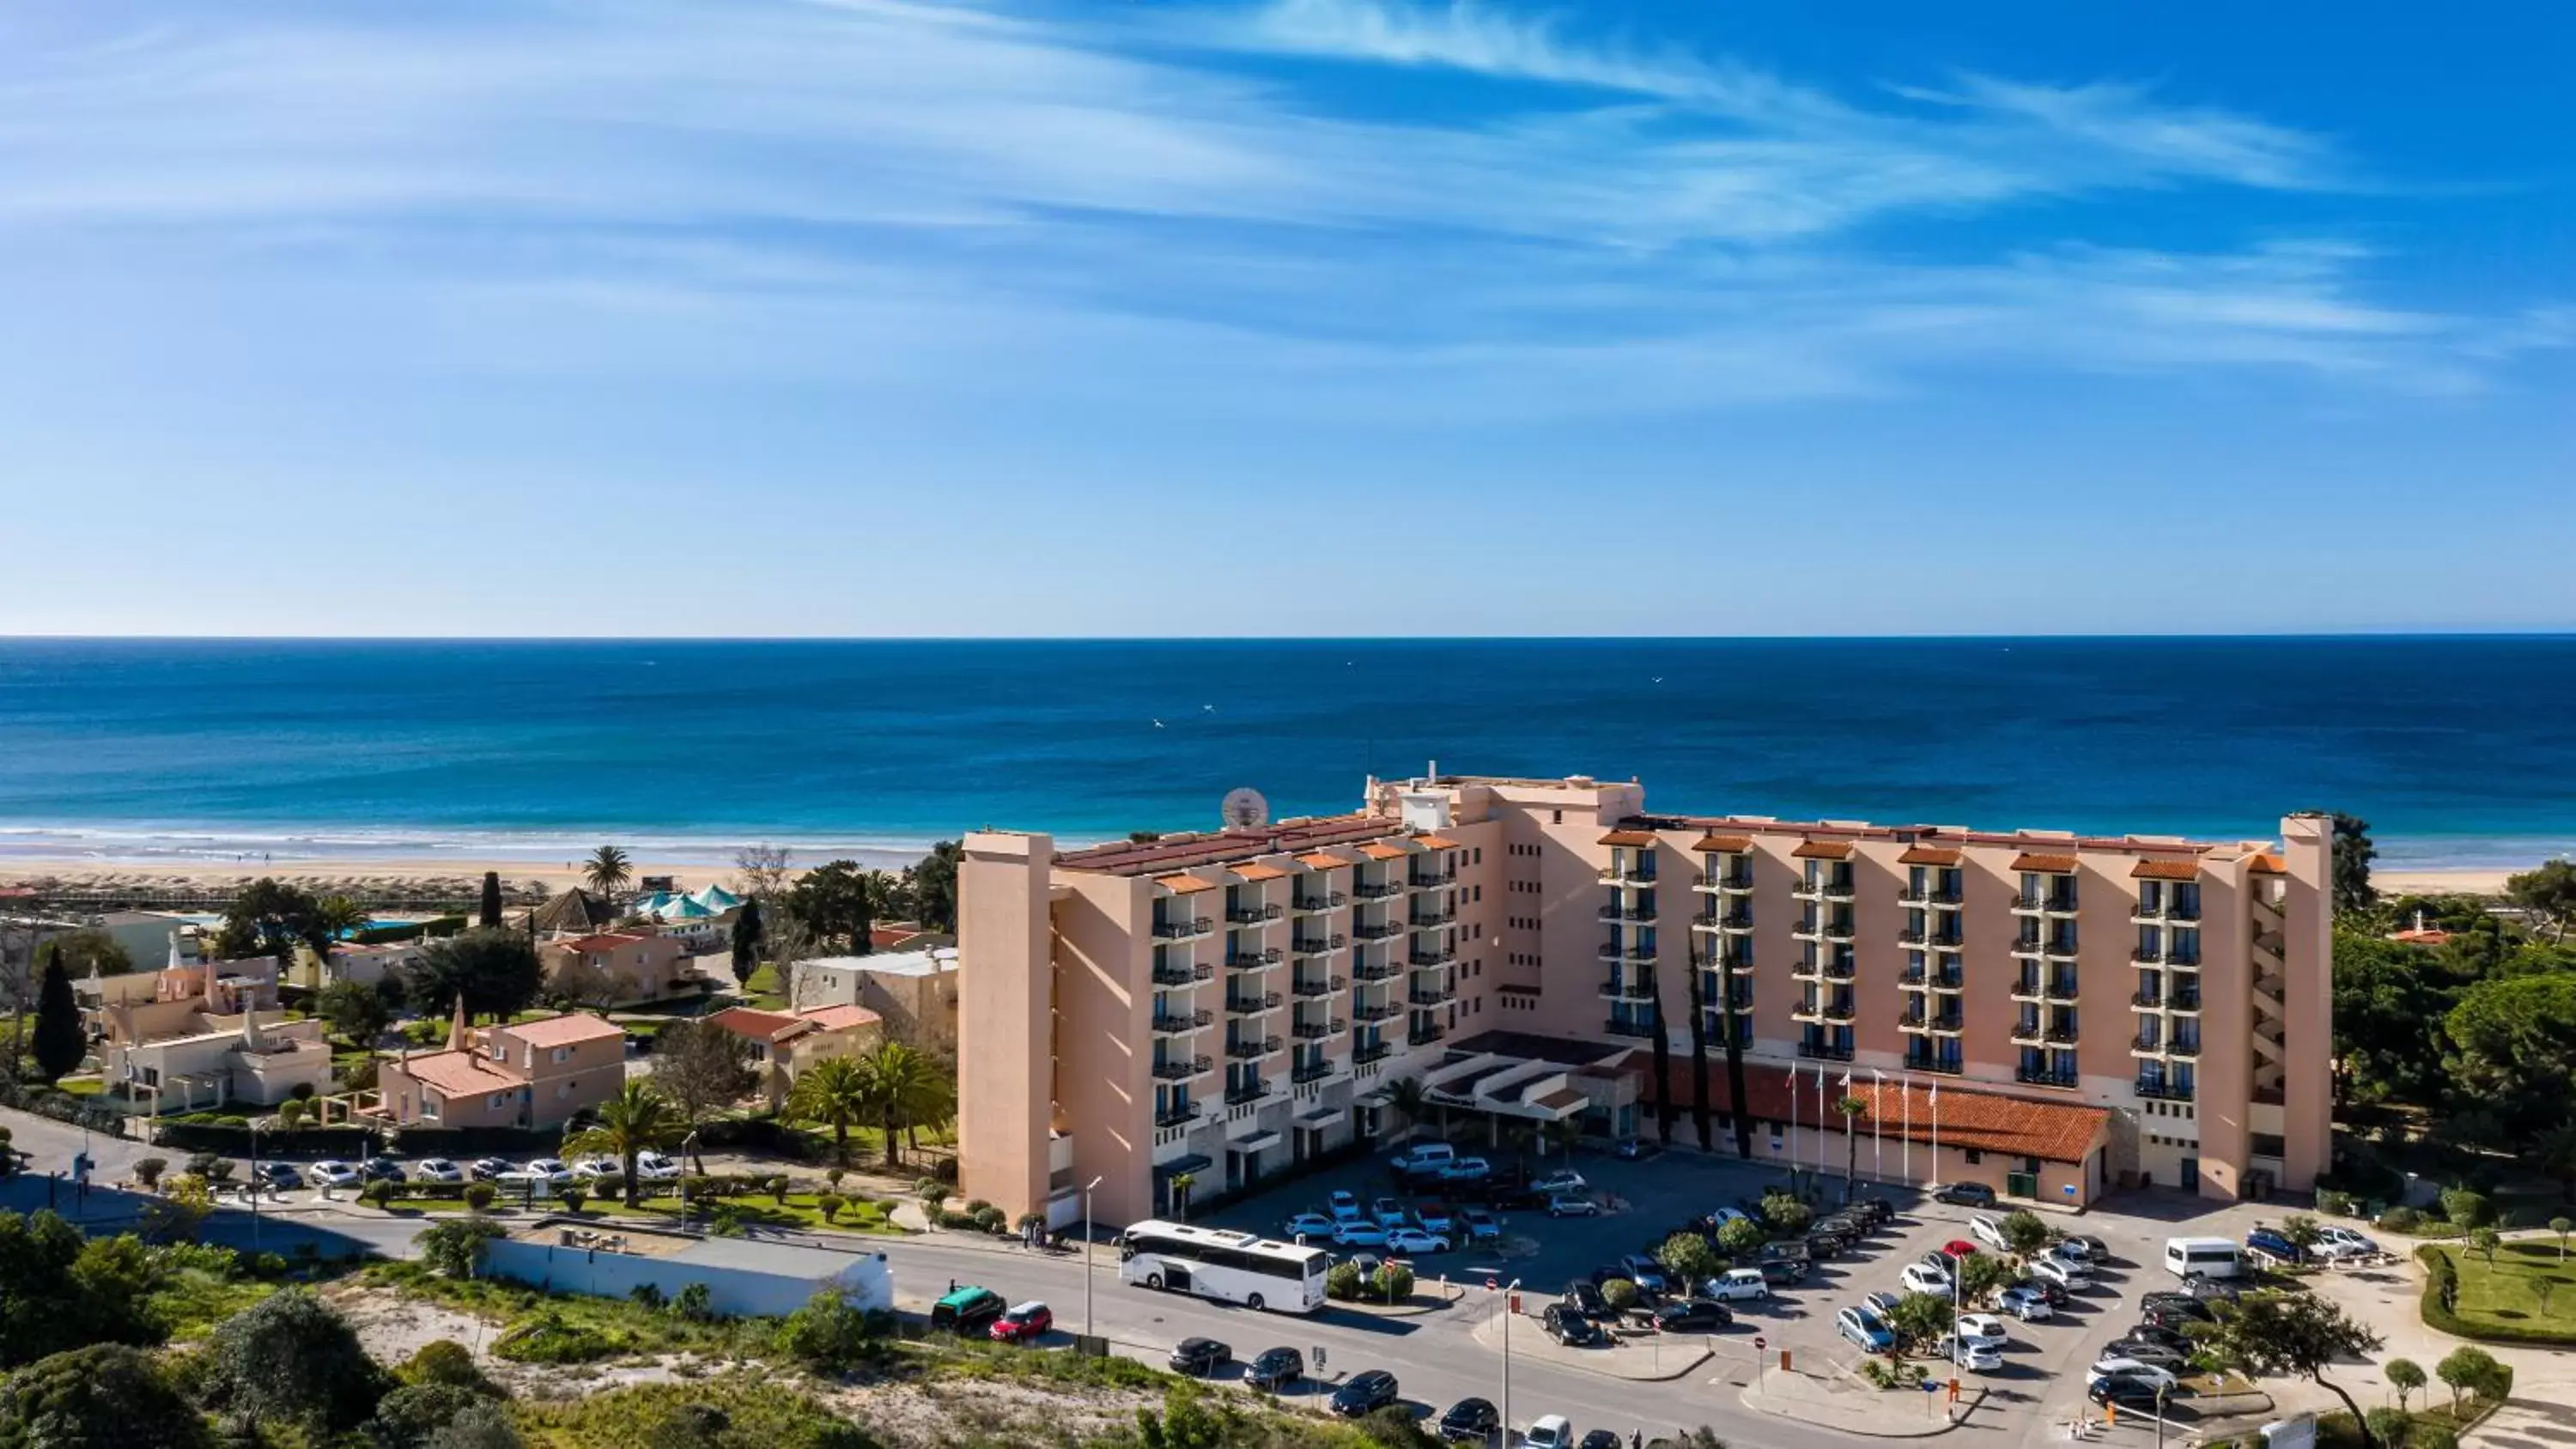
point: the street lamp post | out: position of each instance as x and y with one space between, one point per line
1086 1254
1509 1289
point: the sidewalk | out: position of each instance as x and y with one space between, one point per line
1845 1403
1653 1358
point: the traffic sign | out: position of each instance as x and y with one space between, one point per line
1759 1343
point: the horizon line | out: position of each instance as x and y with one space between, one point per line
2560 632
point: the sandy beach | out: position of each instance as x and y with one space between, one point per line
359 875
2440 882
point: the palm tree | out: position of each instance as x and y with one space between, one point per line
1699 1051
338 915
637 1120
834 1092
1664 1103
1181 1184
1849 1108
1404 1094
903 1086
606 873
1733 1014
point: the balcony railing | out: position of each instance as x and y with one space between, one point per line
1321 901
1176 1114
1176 930
1179 1022
2054 903
1378 930
2181 1048
1627 951
1630 874
2045 1077
1617 913
1824 970
1822 890
1253 960
1432 956
1382 1011
1628 988
1921 1063
1181 1069
1242 1092
1249 1005
1737 882
1735 920
2028 1033
2167 911
1824 1051
1425 1033
2060 1036
1425 880
1383 891
2149 999
1183 975
1375 1051
1318 985
1839 1011
1616 1027
1314 1071
1928 896
1375 971
1319 1030
2142 1046
1317 945
1917 1019
1251 915
1254 1048
2164 1090
1431 995
1422 920
2180 1000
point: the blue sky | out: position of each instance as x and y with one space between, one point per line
1298 317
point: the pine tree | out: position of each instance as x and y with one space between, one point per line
60 1044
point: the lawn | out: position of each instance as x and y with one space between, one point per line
2529 1294
575 1329
761 1211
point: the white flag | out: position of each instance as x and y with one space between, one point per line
1846 1081
1934 1095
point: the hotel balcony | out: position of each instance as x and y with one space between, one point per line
2029 1033
1725 882
1253 1004
1378 930
1252 915
1181 1022
1734 923
1314 1071
1318 985
1177 1114
1386 890
1431 880
1431 995
1824 1051
1381 1011
2047 904
2059 1036
2162 1090
1182 930
1376 1051
1822 890
1185 974
1424 1033
1810 1012
1375 970
1823 970
1181 1069
1820 928
1422 920
1317 945
2180 1047
2029 988
1630 874
1254 1048
1614 913
1928 896
1616 1027
1926 1062
2185 1001
2045 1077
1627 951
1629 988
1253 960
1426 956
1320 901
1720 961
1319 1030
1243 1092
2061 990
2153 915
1946 1023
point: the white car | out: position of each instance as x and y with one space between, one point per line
1467 1169
1974 1357
331 1172
1390 1212
1723 1216
1989 1231
2130 1368
590 1169
552 1169
1883 1304
1735 1285
2335 1242
1307 1225
524 1183
1562 1180
1547 1431
2064 1274
1415 1240
439 1169
2027 1304
654 1167
1924 1278
1359 1235
1981 1330
1573 1207
1343 1205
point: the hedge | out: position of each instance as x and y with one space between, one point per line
2441 1300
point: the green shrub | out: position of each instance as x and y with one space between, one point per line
547 1338
1342 1280
992 1219
2467 1209
832 1333
1785 1213
481 1195
2334 1204
695 1303
572 1196
1620 1294
829 1205
2389 1427
148 1170
1391 1283
377 1193
445 1361
2402 1219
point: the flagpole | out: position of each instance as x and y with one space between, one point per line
1905 1147
1793 1123
1934 1097
1820 1120
1877 1150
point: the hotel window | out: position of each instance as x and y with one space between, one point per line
562 1054
1975 1157
429 1104
497 1101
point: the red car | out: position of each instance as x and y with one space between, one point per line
1023 1324
1959 1248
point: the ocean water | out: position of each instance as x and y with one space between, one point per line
2459 750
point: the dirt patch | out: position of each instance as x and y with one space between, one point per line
920 1415
393 1327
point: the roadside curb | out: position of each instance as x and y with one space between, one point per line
1866 1422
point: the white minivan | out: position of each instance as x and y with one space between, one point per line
2204 1258
1423 1158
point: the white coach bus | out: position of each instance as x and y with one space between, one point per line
1214 1263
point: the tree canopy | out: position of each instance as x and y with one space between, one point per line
748 933
2287 1335
291 1356
703 1066
354 1009
2353 853
495 970
105 1396
269 918
2513 1049
2548 893
59 1042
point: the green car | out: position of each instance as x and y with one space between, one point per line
967 1306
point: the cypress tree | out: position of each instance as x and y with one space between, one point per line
60 1044
748 929
491 898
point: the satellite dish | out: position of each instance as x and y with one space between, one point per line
1244 809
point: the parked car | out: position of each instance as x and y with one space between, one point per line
2171 1338
280 1176
1643 1271
2172 1315
2171 1360
1482 1226
2064 1274
1467 1169
1548 1431
2130 1368
1864 1330
1307 1225
1469 1421
331 1172
552 1169
485 1169
1423 1157
1585 1298
1633 1149
651 1166
1567 1325
1825 1244
2025 1303
2184 1303
1342 1204
590 1169
1974 1357
2272 1245
1367 1390
2134 1395
1989 1230
1782 1272
1023 1323
1434 1216
967 1305
1720 1218
1693 1315
1882 1303
1561 1180
1966 1194
1389 1212
1924 1278
1981 1328
439 1169
2085 1247
1275 1369
382 1169
1878 1209
1602 1439
1359 1235
1415 1240
2337 1241
1958 1248
1199 1357
1562 1206
1737 1285
2055 1293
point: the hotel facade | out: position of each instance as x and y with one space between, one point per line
2070 1014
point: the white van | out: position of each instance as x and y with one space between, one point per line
2204 1258
1423 1157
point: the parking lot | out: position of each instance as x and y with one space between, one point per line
1642 1202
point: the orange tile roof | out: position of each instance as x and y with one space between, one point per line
1184 885
1257 871
603 941
1823 850
1321 861
1437 842
460 1074
839 1018
2165 870
564 1030
2045 864
1381 851
1724 844
2267 865
758 1025
1970 1117
1164 854
1929 855
1636 838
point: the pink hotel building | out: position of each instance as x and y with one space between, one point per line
2093 1012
